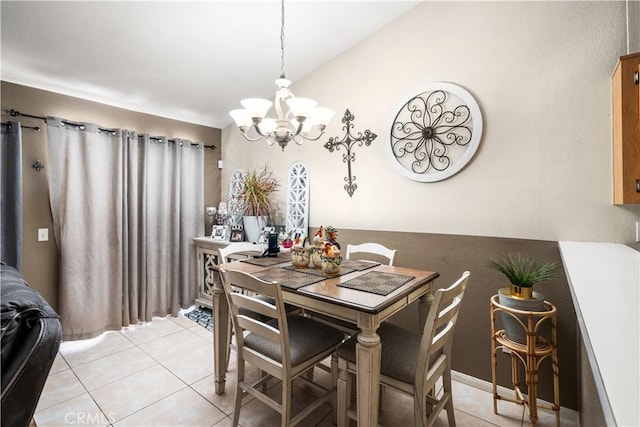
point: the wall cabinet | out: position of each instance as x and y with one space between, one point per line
626 130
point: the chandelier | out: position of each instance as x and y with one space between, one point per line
296 118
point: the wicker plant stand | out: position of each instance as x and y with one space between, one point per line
530 355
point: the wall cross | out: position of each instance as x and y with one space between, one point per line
348 142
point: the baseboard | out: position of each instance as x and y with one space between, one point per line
566 414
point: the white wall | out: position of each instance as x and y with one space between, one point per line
541 72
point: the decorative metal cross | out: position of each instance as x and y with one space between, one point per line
348 142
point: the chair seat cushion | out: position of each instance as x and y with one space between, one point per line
399 352
307 338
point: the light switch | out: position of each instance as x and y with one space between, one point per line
43 234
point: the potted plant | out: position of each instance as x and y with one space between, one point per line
522 272
256 196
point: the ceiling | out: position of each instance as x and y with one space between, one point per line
190 61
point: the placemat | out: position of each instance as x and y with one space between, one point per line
318 272
377 283
267 261
288 278
359 265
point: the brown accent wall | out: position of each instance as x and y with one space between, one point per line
40 259
451 255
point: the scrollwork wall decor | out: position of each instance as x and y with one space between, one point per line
436 133
348 142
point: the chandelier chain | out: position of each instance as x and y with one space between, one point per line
282 41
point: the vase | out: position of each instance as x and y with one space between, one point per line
316 256
253 226
299 257
331 264
514 330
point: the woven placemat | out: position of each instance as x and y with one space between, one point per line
267 261
358 265
318 272
377 283
288 278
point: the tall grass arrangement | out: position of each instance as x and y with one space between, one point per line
523 271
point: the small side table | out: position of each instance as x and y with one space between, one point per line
530 355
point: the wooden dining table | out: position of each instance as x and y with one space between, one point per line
364 293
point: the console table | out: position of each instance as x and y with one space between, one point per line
207 256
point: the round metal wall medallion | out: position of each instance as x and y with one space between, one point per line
436 133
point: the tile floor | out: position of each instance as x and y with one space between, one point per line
161 374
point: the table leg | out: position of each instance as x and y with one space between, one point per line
424 304
220 336
368 354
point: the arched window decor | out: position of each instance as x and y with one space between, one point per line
436 133
297 216
235 206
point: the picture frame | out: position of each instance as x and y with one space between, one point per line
264 234
219 232
237 235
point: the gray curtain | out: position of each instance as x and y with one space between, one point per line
11 204
125 208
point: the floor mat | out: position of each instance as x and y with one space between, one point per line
202 316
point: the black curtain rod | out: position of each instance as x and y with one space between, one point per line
36 128
14 113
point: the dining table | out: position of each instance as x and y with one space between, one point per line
363 293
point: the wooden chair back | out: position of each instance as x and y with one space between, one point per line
372 248
235 248
434 358
251 311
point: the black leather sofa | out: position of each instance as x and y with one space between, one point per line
31 334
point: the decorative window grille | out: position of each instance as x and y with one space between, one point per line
297 217
235 205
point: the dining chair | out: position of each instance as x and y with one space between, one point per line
372 248
412 362
236 248
283 347
225 254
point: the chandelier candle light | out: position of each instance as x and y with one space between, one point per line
296 117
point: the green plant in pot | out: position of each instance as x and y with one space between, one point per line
257 199
522 272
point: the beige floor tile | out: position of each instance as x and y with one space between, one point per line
92 349
201 331
59 387
59 364
185 322
145 332
126 396
183 408
224 402
127 391
175 345
78 411
113 367
257 414
193 364
226 422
